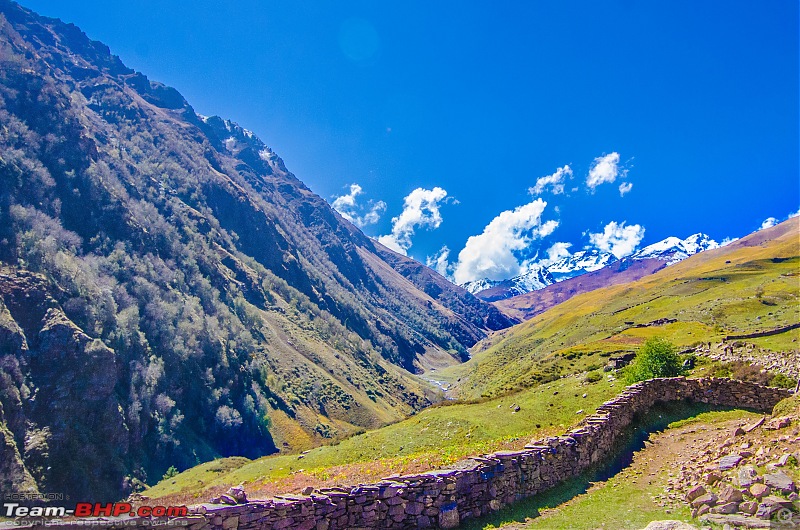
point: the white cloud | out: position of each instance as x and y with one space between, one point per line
554 181
547 228
728 241
618 239
493 253
439 261
768 223
556 252
347 205
420 209
624 188
795 214
604 169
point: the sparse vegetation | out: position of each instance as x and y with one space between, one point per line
787 406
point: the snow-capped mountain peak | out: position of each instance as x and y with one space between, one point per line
537 277
476 286
672 249
579 263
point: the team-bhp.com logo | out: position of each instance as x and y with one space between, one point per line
89 509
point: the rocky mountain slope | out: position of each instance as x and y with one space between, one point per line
170 292
666 252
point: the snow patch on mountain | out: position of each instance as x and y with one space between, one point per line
476 286
537 277
579 263
670 250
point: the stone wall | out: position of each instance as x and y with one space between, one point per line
478 485
767 333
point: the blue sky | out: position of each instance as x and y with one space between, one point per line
461 107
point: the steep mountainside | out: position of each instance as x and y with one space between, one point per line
170 292
748 286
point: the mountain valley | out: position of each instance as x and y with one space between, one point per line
180 314
170 293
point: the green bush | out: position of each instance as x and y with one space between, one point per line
171 472
593 377
657 357
782 381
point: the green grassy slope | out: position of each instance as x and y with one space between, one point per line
750 285
435 437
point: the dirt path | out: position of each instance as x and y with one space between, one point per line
644 490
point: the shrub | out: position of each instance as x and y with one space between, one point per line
782 381
171 472
593 377
657 357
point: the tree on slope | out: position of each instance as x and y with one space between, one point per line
657 357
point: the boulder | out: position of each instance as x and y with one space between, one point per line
730 494
708 499
224 499
695 492
754 426
238 494
746 476
728 507
768 507
729 462
780 481
748 507
759 490
738 521
778 423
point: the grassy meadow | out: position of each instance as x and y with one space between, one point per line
747 286
433 438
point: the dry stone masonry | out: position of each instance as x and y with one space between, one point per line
478 485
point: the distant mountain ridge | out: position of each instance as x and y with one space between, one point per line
747 286
670 250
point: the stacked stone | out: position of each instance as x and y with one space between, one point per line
478 485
